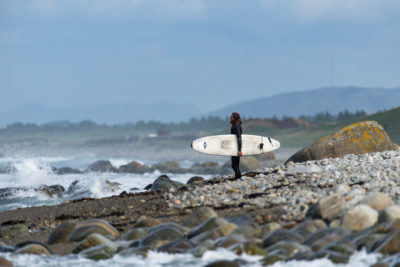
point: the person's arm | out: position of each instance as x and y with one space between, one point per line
239 139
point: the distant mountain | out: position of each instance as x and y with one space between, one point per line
332 100
110 114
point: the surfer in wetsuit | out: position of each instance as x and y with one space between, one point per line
236 129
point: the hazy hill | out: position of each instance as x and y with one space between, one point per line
110 114
332 100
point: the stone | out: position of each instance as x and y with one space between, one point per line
168 167
377 200
5 263
366 240
61 233
134 234
248 248
208 235
391 245
358 138
225 229
390 214
134 167
67 170
163 234
146 222
334 256
207 225
93 240
287 248
201 248
16 230
176 246
195 180
281 235
306 228
101 252
163 183
101 166
98 226
266 229
360 217
230 240
199 215
52 190
176 226
329 233
6 248
328 208
223 263
32 247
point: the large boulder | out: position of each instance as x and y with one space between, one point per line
169 167
358 138
102 166
98 226
134 167
163 183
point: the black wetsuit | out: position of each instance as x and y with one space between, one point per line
237 130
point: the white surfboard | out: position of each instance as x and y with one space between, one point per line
226 145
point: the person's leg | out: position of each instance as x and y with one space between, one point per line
235 166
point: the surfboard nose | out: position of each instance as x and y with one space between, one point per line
191 144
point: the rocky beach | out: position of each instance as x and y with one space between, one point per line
329 208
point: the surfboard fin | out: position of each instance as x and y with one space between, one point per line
261 146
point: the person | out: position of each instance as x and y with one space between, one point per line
236 129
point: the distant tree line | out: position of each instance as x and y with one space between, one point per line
326 117
209 123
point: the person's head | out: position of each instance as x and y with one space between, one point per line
235 119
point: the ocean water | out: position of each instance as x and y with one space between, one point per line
20 188
157 259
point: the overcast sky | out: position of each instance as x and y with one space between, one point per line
210 53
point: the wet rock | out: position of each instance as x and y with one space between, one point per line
208 167
246 231
134 167
249 163
163 234
280 235
272 258
32 247
16 230
287 248
67 170
199 215
93 240
334 256
169 167
207 225
101 252
195 180
208 235
201 248
360 217
61 233
328 208
391 245
5 263
101 166
248 248
6 248
321 238
240 219
176 226
366 240
342 247
140 251
225 229
306 228
358 138
266 229
134 234
52 190
390 214
148 187
84 229
377 200
230 241
146 222
176 246
112 186
223 263
163 183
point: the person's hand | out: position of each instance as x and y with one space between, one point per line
240 153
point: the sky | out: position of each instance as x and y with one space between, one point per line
210 53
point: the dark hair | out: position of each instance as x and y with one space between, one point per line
236 118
